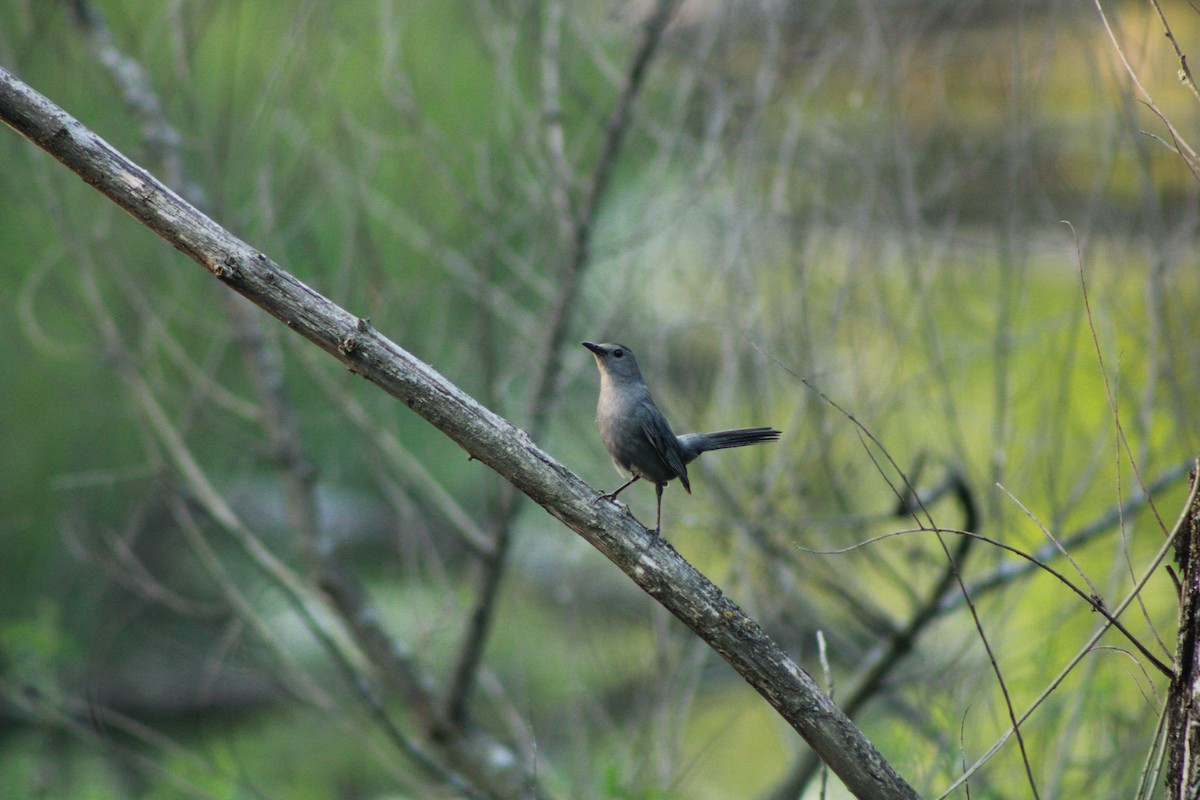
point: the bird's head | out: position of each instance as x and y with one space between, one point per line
616 362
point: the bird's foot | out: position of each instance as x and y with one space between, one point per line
599 498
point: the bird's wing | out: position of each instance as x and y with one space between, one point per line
667 447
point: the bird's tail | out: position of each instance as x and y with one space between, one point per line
693 444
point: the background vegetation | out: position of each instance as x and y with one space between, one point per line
956 222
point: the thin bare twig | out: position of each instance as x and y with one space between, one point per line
1182 148
1185 72
1097 603
909 492
1054 542
877 665
565 303
1087 647
1008 571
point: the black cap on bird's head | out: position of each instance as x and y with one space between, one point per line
615 360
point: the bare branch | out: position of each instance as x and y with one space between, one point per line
651 562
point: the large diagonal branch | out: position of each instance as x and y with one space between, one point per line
651 562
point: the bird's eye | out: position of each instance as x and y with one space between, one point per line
618 353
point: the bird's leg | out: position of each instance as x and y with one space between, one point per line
658 490
621 488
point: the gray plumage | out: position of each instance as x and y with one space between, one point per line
638 436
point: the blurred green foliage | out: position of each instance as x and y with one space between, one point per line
870 200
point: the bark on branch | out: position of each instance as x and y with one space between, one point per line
651 562
1183 701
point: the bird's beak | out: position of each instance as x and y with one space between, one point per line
595 348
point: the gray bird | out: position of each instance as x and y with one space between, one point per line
638 436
